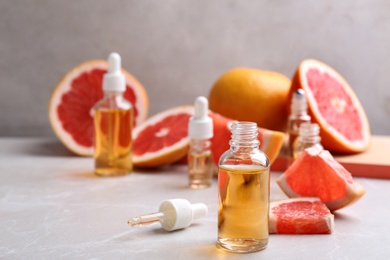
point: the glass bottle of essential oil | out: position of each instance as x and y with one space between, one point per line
113 119
243 182
308 137
297 116
200 159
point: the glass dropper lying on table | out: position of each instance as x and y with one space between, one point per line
172 215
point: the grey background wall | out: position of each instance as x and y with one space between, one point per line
178 48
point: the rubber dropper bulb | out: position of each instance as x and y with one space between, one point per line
114 80
200 124
173 214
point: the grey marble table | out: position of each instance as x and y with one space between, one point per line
53 207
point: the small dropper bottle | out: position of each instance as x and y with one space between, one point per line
308 137
297 116
113 119
200 159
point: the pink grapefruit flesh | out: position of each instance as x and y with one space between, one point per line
300 216
163 138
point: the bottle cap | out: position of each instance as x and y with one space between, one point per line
114 80
179 213
298 102
201 125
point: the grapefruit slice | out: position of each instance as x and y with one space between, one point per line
74 96
334 106
300 216
270 141
163 138
315 173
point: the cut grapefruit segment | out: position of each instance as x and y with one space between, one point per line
300 216
163 138
270 141
315 173
71 102
334 106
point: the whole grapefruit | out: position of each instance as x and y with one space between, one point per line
248 94
334 106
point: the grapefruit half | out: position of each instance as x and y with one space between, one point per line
71 102
334 106
315 173
300 216
163 138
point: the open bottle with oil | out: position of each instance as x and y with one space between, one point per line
113 119
243 182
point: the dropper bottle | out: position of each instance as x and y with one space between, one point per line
113 119
200 159
297 116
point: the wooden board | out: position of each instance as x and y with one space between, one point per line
374 163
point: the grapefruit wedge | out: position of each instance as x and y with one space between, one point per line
163 138
315 173
334 106
300 216
71 102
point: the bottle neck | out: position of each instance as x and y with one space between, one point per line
309 133
310 139
199 145
113 94
244 136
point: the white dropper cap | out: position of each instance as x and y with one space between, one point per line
114 80
179 213
200 125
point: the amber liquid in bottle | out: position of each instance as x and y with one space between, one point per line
200 164
113 147
243 214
